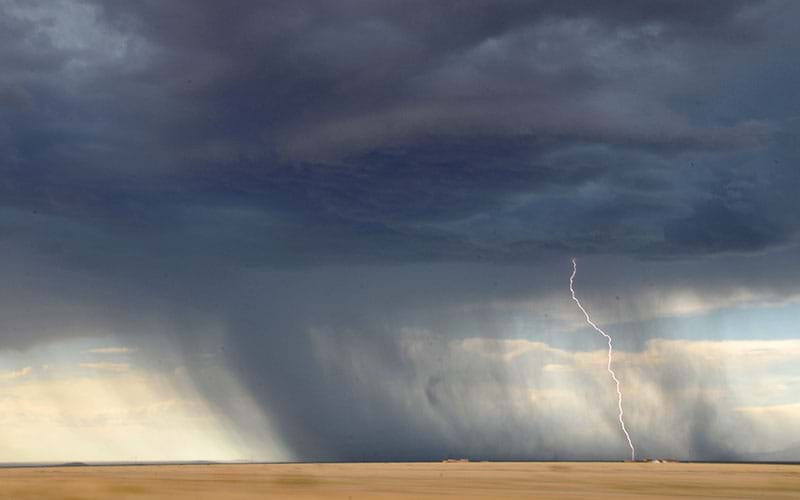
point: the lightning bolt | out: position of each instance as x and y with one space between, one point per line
610 353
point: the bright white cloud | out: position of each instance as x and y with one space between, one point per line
647 304
112 350
12 375
507 349
105 366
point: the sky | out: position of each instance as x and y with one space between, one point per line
307 231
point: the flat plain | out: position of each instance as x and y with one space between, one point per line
496 480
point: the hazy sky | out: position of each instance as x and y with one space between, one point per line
343 230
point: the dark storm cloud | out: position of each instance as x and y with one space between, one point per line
382 120
348 169
316 83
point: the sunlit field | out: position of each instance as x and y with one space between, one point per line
405 480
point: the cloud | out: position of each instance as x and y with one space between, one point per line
112 350
13 375
370 132
747 355
110 367
789 410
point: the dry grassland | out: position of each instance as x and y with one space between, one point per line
404 480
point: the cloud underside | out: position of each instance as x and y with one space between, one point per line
302 134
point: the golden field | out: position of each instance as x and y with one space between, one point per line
582 480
